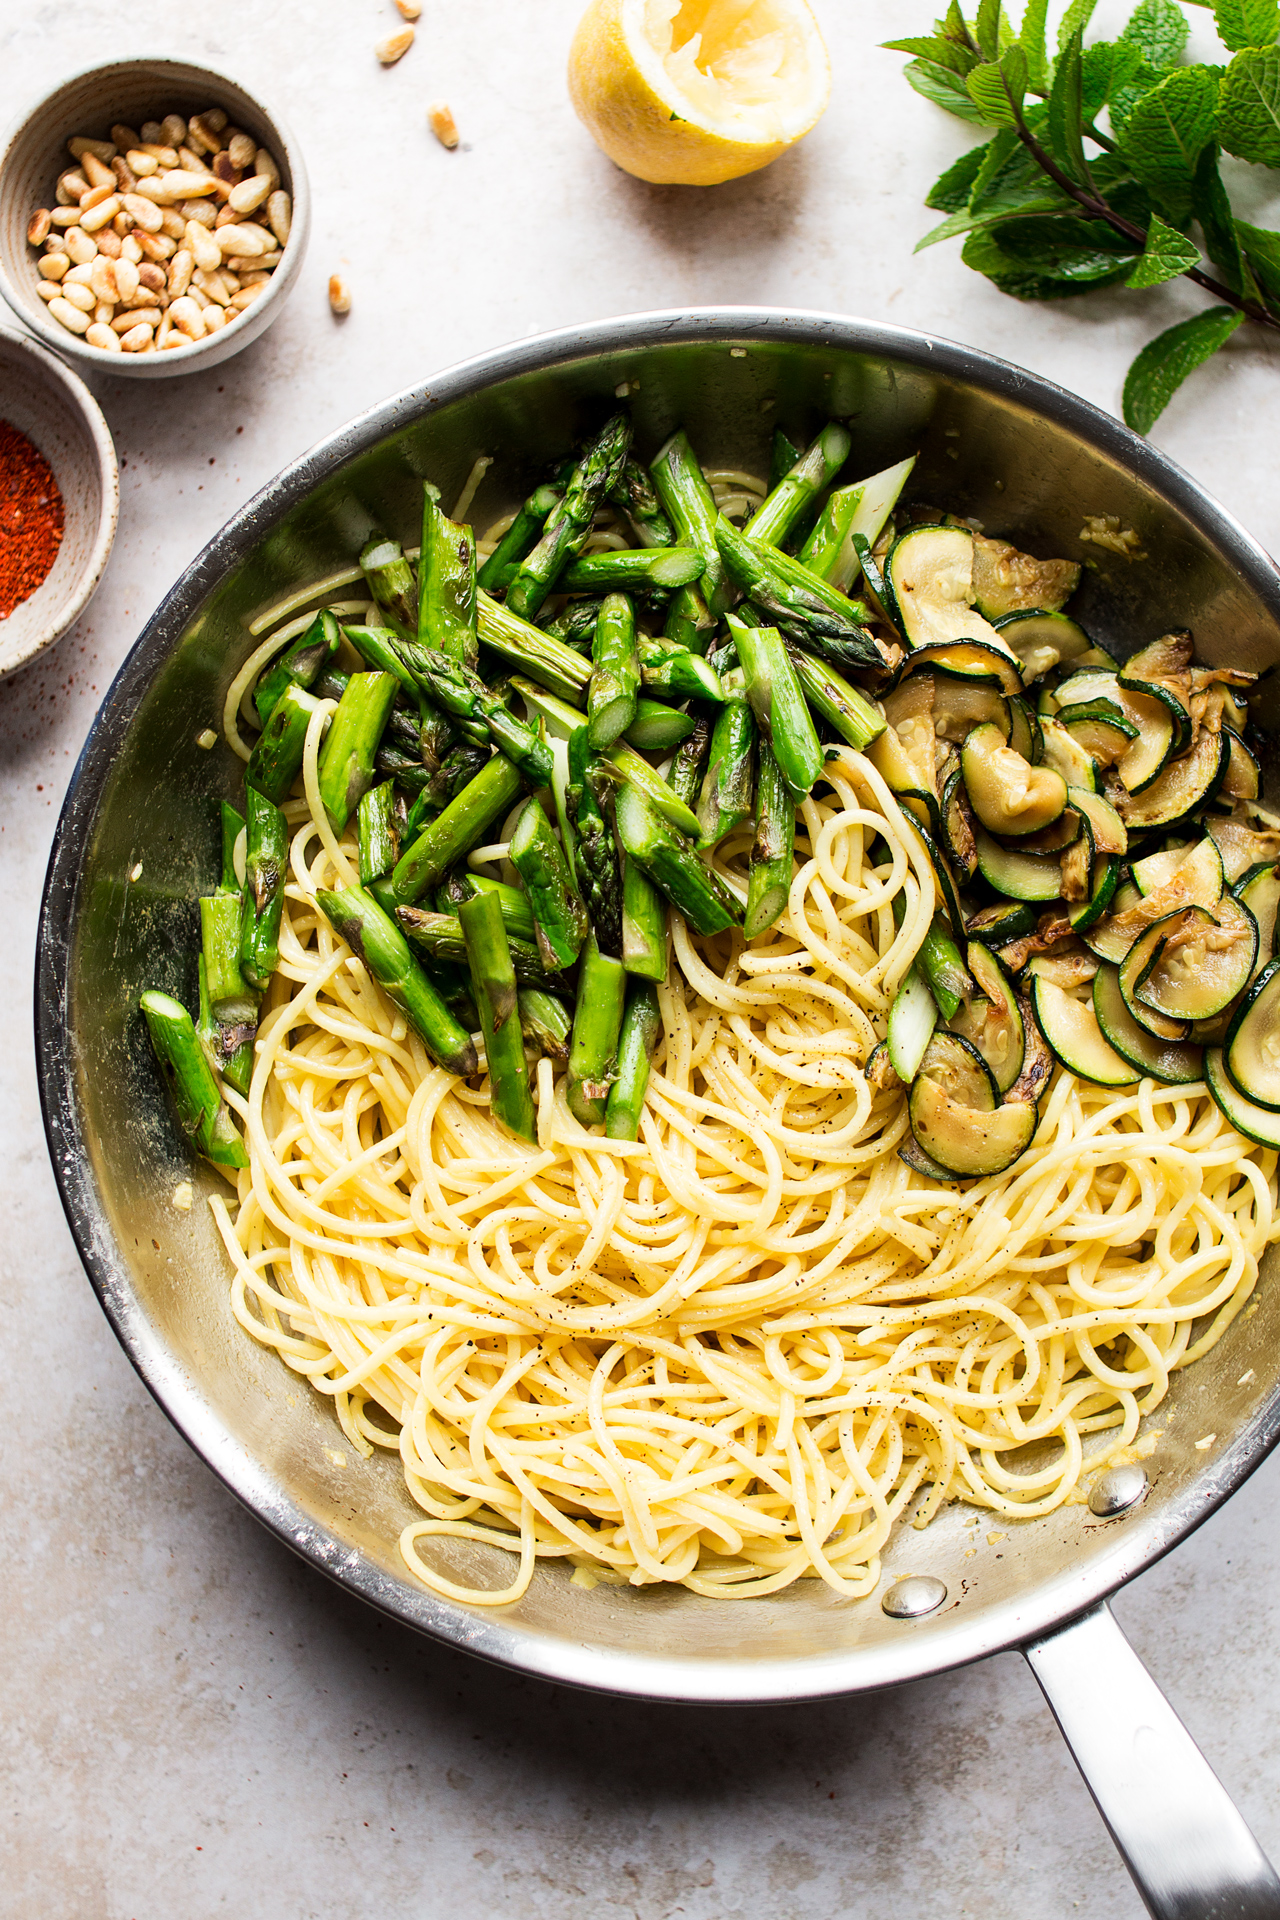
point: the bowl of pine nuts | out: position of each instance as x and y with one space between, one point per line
153 217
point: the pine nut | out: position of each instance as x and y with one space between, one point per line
339 294
136 339
203 247
122 224
231 281
244 239
263 163
173 129
158 246
79 245
203 212
52 266
127 278
122 138
214 319
103 313
224 169
79 275
250 194
151 277
409 9
109 242
213 286
172 223
187 317
280 215
181 183
174 339
162 155
150 131
101 150
144 211
95 171
143 164
79 297
38 227
102 280
100 216
70 316
261 263
253 278
200 297
247 295
395 46
192 161
180 268
48 290
130 250
136 317
442 123
240 150
71 189
225 216
126 178
102 336
61 216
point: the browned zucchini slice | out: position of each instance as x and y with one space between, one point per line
992 1023
1006 792
1071 1028
1185 784
1202 964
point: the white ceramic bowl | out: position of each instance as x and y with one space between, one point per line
55 410
131 91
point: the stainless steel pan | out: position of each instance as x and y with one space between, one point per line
1029 460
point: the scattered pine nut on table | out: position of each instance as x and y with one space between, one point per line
442 123
339 294
152 241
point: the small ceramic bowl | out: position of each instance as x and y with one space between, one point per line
90 103
55 410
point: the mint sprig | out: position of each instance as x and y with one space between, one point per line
1100 165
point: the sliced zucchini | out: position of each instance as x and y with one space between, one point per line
1251 1051
1063 752
912 1019
1102 890
1075 1038
955 1065
1135 967
1241 846
1108 830
1100 728
1066 970
1256 1123
1162 694
1038 1063
1243 777
1167 658
1156 870
1006 792
1165 1060
946 880
1007 582
1040 638
880 1072
1019 876
1077 867
1060 833
1025 736
1185 784
972 661
997 926
1154 743
913 1154
992 1023
1085 685
961 705
1197 881
964 1142
929 573
1259 890
1202 964
957 824
905 754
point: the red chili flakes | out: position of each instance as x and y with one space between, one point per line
31 518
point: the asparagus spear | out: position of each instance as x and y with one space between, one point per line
403 768
597 1018
458 768
641 1025
346 759
232 998
265 871
689 884
782 457
228 1047
634 570
202 1112
798 491
615 673
540 655
769 866
446 585
841 705
379 838
358 919
575 624
940 961
391 583
493 982
517 915
596 858
459 828
690 763
545 1020
276 760
569 522
559 915
520 536
658 726
633 492
725 800
302 664
620 763
387 652
681 487
439 936
332 683
853 517
778 703
806 608
690 622
644 924
668 667
465 695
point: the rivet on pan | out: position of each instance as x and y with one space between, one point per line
1117 1489
913 1597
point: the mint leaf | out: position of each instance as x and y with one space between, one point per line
1074 20
1107 67
1247 23
991 87
1085 252
1166 361
1159 30
983 251
937 49
1249 107
1167 254
1167 132
950 191
986 28
1065 111
1032 41
1262 250
1213 210
945 89
966 220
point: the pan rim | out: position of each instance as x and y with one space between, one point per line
696 1678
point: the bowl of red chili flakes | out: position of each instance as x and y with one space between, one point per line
59 498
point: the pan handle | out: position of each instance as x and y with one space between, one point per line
1190 1853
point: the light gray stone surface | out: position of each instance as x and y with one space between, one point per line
197 1725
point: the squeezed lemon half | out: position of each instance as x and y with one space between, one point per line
693 92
